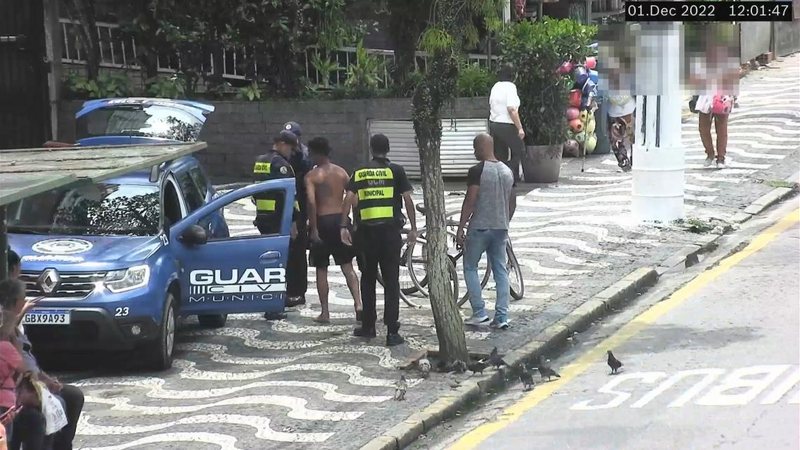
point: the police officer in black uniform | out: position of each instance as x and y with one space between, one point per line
377 192
302 164
270 166
269 206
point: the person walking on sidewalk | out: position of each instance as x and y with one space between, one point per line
620 129
325 185
505 126
378 190
717 73
488 208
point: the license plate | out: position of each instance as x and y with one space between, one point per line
47 317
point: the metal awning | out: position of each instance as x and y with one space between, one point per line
31 171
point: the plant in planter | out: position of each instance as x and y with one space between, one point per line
536 50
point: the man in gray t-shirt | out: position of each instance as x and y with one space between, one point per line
488 207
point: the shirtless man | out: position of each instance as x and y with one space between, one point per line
325 186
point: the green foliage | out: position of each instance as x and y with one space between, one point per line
407 87
325 68
364 77
106 85
172 87
475 81
274 33
536 49
436 39
250 93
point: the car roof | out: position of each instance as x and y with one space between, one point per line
197 109
142 177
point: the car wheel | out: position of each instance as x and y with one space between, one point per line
213 320
160 351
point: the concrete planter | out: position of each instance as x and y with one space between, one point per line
542 163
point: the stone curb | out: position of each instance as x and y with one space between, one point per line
612 298
772 197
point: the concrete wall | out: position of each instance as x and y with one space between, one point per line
238 131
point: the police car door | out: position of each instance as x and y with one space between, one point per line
243 273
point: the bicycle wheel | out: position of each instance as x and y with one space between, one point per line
403 296
515 280
407 285
417 263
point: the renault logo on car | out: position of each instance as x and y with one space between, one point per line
48 281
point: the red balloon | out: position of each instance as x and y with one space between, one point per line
565 67
576 125
573 113
575 96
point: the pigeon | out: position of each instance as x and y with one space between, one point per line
458 366
614 363
453 382
526 378
400 388
424 367
495 359
545 370
478 367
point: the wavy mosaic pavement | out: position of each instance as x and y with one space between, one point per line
295 384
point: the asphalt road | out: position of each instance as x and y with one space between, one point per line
714 365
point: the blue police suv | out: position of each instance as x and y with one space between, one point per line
116 264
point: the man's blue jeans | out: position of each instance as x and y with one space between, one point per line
493 243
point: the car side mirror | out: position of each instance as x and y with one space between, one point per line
194 235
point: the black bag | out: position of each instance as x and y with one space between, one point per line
693 104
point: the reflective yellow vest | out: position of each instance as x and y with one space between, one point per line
263 170
375 190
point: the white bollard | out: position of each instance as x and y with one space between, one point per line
658 155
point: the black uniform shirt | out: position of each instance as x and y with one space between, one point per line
271 166
399 184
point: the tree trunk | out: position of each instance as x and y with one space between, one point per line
449 324
428 129
91 41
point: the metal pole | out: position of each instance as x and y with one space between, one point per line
658 155
3 244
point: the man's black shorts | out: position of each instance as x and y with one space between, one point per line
330 244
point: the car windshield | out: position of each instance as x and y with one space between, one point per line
156 121
90 210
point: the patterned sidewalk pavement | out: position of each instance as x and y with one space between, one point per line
294 384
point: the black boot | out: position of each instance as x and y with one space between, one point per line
393 339
296 301
365 332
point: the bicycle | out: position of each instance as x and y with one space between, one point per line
516 282
405 257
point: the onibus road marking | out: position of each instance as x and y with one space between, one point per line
625 333
737 388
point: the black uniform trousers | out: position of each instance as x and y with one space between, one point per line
379 246
297 265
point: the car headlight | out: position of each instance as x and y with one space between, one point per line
126 279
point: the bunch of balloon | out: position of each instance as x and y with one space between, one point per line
582 139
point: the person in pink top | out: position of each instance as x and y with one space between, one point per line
11 364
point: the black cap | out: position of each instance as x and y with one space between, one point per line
294 127
286 137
